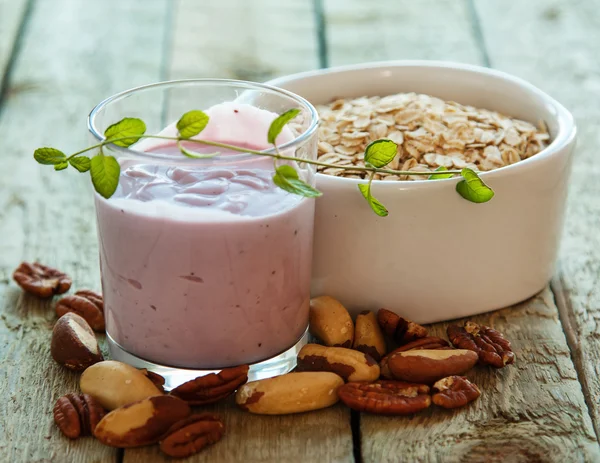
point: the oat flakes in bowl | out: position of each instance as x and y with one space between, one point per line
430 133
436 256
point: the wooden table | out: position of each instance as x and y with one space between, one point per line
60 57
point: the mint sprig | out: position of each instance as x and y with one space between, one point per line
105 170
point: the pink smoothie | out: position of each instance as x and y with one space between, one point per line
206 266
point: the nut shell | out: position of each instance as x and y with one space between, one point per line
73 343
141 423
290 393
330 322
427 366
351 365
114 384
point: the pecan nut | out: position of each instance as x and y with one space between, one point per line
398 328
192 434
73 343
490 345
428 366
86 304
385 397
351 365
330 322
212 387
368 337
454 392
41 280
77 415
141 423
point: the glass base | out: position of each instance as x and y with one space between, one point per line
174 376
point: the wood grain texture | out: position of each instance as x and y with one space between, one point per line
555 46
320 436
359 31
261 40
533 410
12 13
49 216
248 40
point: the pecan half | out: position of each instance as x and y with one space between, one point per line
41 280
86 304
385 397
398 328
491 347
77 415
212 387
191 435
454 392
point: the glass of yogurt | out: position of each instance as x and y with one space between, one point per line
205 263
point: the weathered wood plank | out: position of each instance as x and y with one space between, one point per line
535 410
531 411
242 40
360 31
96 49
11 16
264 38
555 46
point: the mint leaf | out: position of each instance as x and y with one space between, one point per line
287 179
440 176
277 125
472 188
61 165
128 127
380 152
378 208
81 163
49 156
194 155
105 171
192 123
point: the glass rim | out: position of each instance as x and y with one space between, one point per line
314 117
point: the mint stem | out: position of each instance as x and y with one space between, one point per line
275 155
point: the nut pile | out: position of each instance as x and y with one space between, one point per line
429 133
124 407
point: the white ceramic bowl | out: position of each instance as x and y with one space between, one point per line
437 256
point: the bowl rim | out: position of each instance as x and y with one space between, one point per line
566 133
